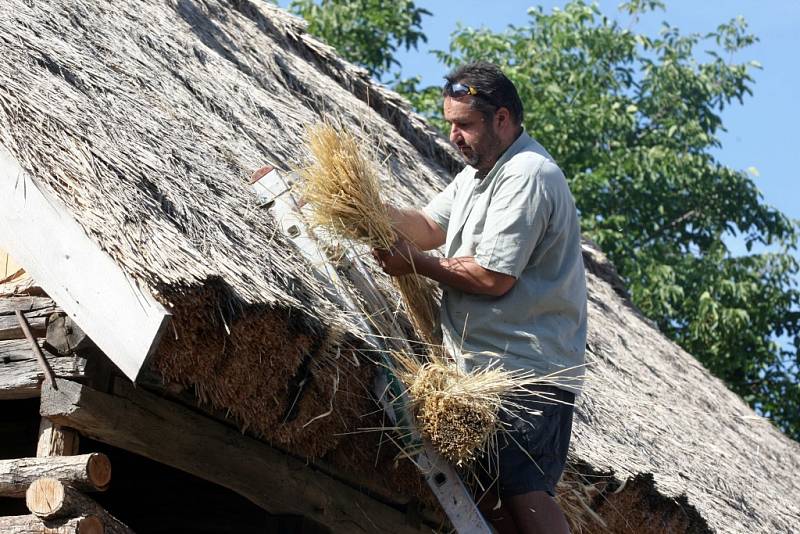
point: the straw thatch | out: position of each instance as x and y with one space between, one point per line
653 414
144 118
163 109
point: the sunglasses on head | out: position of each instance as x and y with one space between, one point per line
457 90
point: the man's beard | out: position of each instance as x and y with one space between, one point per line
472 158
476 157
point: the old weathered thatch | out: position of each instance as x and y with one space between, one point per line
161 114
651 414
141 121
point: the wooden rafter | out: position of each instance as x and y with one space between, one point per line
156 428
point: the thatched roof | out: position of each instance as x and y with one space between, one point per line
143 119
650 409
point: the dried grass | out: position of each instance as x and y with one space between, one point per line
458 411
264 371
343 188
575 496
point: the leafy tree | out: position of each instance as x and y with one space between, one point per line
366 32
427 101
633 119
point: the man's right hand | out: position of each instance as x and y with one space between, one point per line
399 260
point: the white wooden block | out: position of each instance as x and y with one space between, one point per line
123 319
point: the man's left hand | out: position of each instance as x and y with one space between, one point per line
399 260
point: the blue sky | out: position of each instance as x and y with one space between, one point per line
762 133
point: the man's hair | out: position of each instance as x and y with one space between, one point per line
494 88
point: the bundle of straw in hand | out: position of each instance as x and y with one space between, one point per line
456 411
343 188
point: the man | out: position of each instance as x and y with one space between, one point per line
513 282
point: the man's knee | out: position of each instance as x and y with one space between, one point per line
498 515
537 511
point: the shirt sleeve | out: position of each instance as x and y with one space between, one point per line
516 220
440 207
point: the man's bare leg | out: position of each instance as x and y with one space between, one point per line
536 513
500 518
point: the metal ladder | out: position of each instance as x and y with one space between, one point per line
274 194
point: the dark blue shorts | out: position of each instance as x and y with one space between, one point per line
533 450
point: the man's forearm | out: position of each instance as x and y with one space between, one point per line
464 274
414 226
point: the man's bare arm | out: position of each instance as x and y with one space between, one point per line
464 273
416 227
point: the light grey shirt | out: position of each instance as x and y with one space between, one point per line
520 220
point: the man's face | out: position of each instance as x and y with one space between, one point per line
472 133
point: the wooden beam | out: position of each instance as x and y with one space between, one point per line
30 524
11 329
42 235
151 426
64 337
20 374
36 310
365 483
87 472
26 304
55 440
48 498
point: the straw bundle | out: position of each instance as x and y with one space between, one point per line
344 190
456 411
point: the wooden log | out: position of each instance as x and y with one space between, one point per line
48 498
30 524
26 304
20 374
55 440
10 328
87 472
148 425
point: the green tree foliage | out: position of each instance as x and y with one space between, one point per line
366 32
633 120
